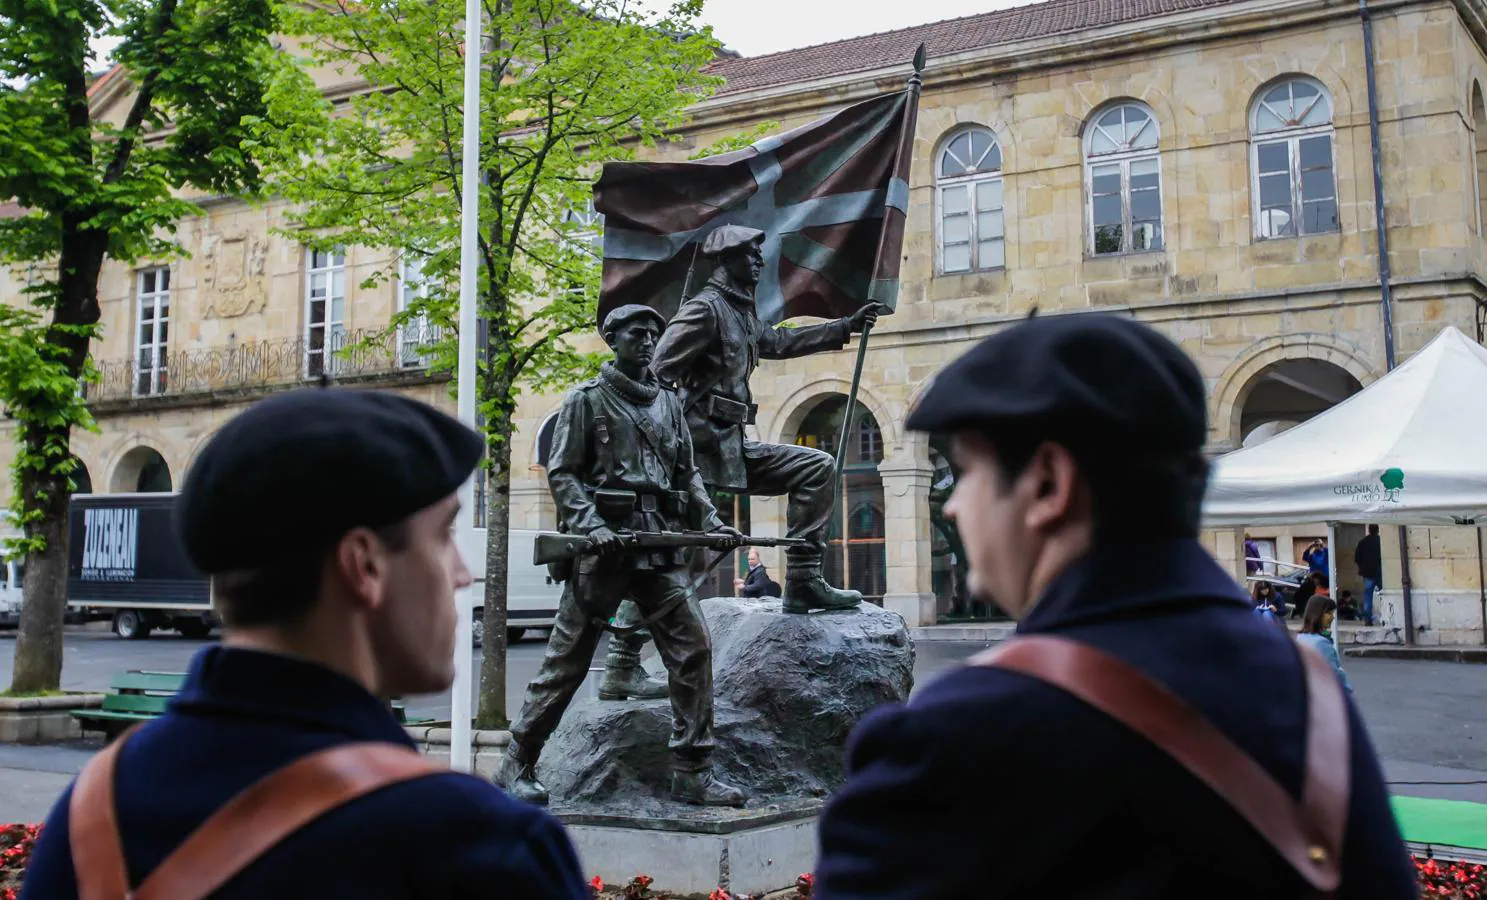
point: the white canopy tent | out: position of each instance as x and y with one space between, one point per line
1409 449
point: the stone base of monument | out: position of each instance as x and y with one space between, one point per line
692 852
787 690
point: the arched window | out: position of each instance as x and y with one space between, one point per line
968 187
1125 180
1294 186
856 546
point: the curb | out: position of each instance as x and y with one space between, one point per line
1430 654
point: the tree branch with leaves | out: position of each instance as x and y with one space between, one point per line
93 191
566 87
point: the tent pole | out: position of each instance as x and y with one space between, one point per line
1481 584
1332 584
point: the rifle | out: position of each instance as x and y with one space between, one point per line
555 547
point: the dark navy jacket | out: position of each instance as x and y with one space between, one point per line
993 784
243 714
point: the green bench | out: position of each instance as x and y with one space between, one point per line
138 696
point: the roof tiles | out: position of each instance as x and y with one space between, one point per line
940 39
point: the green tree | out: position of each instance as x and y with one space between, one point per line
95 190
565 87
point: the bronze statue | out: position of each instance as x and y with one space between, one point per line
621 463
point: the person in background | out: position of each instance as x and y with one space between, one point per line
1266 597
1079 440
325 519
1316 633
1370 568
757 583
1303 594
1251 555
1315 556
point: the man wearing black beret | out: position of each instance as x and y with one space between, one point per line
1115 747
325 519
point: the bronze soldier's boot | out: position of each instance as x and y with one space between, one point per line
519 777
695 783
806 589
624 679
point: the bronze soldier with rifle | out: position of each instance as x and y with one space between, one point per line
623 478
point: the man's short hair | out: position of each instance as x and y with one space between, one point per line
1133 499
284 592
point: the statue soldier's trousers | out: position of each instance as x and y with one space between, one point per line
680 636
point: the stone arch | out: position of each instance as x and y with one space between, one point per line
542 440
1239 380
799 403
1327 77
82 477
141 469
1161 114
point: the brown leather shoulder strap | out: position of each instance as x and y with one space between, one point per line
249 825
93 829
1309 836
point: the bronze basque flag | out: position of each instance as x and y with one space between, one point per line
830 196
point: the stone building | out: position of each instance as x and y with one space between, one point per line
1202 165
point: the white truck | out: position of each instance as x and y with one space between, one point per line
531 595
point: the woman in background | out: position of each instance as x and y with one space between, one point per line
1316 632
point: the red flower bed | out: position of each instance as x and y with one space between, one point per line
1438 878
16 842
1453 880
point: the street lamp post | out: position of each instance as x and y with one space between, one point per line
464 654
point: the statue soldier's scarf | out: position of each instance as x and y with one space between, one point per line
830 196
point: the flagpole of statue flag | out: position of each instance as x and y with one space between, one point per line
905 145
462 691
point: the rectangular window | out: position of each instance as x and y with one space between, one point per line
417 336
152 331
1125 206
972 226
325 310
1295 188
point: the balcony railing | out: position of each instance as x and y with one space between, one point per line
264 364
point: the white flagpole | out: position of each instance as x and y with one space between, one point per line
464 650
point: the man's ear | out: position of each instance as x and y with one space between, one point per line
360 565
1054 474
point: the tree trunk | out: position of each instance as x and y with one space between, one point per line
45 443
492 712
38 646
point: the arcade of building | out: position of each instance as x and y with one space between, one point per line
1202 165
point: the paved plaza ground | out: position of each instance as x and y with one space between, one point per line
1427 718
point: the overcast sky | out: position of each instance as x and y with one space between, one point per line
756 27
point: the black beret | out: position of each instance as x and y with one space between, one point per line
629 312
1087 379
292 474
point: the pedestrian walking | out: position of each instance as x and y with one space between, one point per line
1370 564
325 520
757 582
1116 746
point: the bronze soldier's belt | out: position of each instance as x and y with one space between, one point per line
732 412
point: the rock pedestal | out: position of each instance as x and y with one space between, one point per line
787 690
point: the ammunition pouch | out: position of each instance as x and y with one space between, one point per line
729 412
617 507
